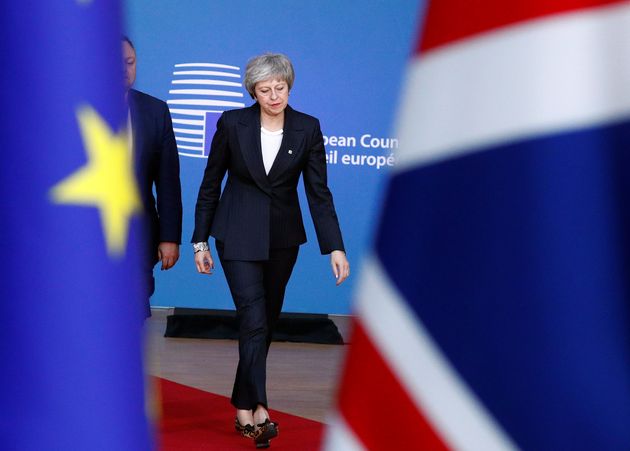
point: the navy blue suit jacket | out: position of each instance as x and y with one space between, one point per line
157 163
257 212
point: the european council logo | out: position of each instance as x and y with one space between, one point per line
199 96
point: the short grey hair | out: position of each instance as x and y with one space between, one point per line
266 66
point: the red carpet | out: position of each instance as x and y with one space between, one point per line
197 420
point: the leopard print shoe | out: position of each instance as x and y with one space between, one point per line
264 433
247 430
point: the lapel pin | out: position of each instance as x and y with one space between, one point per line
290 152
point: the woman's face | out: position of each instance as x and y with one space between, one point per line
272 95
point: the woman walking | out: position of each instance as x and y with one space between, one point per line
257 221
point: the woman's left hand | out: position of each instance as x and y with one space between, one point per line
340 266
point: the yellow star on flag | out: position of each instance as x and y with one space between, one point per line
107 181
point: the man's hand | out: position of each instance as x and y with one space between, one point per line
168 253
340 266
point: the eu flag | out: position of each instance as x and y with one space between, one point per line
71 371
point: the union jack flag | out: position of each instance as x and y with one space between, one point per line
494 312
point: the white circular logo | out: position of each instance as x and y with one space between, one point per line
200 93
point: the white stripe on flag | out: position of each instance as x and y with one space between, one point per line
540 77
435 387
339 437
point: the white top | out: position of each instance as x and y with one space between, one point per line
270 143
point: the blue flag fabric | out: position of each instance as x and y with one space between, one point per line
71 332
549 305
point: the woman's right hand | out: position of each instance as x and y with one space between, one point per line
204 263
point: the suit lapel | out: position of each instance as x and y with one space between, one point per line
249 141
291 146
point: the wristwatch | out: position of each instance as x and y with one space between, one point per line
199 247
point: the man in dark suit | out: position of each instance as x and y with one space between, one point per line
156 163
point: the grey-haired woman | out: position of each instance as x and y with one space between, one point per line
257 221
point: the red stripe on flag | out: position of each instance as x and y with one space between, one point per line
450 20
375 405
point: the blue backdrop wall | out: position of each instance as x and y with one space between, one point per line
349 58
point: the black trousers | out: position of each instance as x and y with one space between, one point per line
257 289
